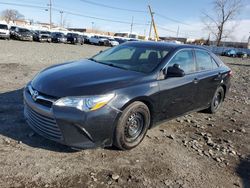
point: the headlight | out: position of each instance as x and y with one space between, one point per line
85 103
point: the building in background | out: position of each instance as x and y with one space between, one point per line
20 23
94 31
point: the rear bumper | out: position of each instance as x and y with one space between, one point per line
70 126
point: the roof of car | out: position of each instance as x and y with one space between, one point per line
164 44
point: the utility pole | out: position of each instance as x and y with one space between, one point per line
92 26
61 12
50 14
132 23
177 33
153 23
248 46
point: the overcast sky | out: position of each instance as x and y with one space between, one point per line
187 15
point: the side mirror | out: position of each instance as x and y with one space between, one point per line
174 71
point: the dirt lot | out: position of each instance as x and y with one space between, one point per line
198 150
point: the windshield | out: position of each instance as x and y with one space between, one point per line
23 30
133 57
3 26
57 34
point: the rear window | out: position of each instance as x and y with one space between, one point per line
204 61
3 26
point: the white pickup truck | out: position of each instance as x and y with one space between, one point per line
4 31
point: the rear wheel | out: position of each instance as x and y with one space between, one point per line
217 100
132 126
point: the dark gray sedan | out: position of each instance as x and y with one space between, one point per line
114 97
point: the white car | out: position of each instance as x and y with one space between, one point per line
99 40
4 31
113 42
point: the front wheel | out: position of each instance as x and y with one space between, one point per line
217 100
132 126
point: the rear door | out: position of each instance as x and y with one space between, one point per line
177 94
208 75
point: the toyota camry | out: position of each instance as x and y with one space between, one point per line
114 97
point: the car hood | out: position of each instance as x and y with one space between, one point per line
82 77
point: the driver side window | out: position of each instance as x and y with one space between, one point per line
185 59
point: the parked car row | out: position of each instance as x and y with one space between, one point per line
234 53
106 40
24 34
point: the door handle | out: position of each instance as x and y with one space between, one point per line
196 81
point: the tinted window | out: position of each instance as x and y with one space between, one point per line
204 61
12 28
186 61
45 32
23 30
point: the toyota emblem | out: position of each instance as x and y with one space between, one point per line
35 95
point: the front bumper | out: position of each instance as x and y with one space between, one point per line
62 40
45 39
70 126
5 36
26 38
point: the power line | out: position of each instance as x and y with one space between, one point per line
83 15
111 7
71 13
173 20
132 10
97 18
24 5
160 27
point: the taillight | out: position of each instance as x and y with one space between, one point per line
230 73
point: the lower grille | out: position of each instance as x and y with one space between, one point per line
46 126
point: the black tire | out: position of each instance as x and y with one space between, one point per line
132 126
217 100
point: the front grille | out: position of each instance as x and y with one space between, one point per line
42 99
44 125
44 102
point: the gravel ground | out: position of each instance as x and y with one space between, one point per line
197 150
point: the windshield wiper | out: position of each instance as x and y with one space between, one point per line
92 59
109 64
112 65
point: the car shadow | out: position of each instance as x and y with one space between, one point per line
13 125
243 170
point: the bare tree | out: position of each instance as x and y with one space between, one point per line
224 12
11 15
